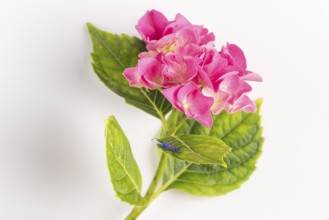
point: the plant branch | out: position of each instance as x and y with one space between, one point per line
137 210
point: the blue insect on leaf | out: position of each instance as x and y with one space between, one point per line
168 147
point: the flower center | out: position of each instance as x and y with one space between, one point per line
171 47
185 104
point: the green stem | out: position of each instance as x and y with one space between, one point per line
157 176
151 194
172 179
137 210
162 117
181 123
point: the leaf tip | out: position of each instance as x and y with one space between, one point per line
110 120
89 25
223 163
90 28
259 102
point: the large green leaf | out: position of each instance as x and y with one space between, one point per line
199 149
113 53
242 132
124 171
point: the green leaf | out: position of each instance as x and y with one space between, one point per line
125 175
242 132
112 54
199 149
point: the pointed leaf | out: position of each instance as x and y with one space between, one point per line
241 131
113 53
124 171
198 149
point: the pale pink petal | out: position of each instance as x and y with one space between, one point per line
162 44
221 102
251 76
190 50
185 36
220 99
179 69
230 84
234 86
147 54
204 36
229 74
244 103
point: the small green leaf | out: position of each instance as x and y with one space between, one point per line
125 175
197 149
242 132
112 54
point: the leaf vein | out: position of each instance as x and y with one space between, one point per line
108 49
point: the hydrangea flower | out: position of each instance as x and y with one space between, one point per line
181 60
189 99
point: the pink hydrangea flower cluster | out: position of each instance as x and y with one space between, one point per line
181 60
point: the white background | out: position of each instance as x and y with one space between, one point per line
52 107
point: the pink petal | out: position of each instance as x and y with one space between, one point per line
235 56
191 69
152 25
209 52
198 103
205 79
191 101
171 96
203 36
151 69
185 91
217 67
131 74
207 38
205 119
179 23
